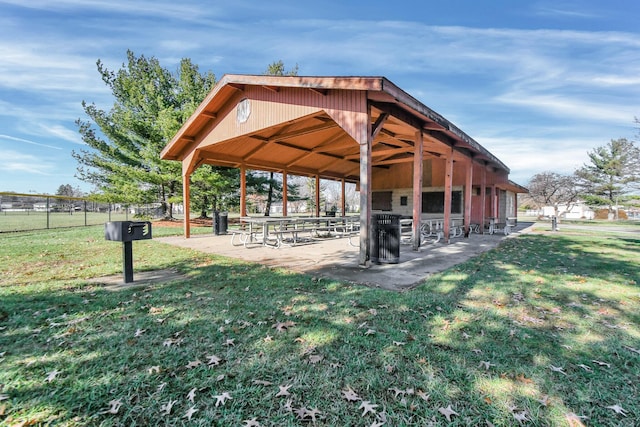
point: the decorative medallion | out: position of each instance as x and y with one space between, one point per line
244 111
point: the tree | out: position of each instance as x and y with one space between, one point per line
69 191
554 189
150 105
613 170
211 187
273 186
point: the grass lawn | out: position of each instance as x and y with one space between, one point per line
543 331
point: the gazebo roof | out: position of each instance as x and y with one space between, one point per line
294 124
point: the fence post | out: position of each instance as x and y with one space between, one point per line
85 213
47 209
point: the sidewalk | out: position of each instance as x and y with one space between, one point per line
335 259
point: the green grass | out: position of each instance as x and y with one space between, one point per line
568 300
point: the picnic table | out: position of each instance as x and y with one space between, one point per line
289 231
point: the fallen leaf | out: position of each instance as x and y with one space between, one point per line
521 378
520 416
251 423
399 343
397 391
154 369
447 412
166 408
192 410
486 364
315 358
213 360
139 332
284 390
52 375
350 395
192 395
558 369
575 420
261 382
618 409
599 363
222 398
366 407
230 342
544 400
283 326
422 395
635 350
193 364
370 332
114 407
585 367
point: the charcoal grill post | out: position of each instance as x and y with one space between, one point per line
126 232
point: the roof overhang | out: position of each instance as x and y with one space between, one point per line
313 143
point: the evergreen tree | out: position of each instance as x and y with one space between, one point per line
613 170
150 105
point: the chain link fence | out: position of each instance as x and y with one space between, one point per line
23 212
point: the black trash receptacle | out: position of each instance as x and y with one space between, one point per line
220 222
385 247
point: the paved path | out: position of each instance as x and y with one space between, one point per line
336 259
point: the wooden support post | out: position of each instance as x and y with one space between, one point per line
417 189
483 197
243 191
284 193
317 195
365 193
343 198
186 200
494 201
467 198
448 186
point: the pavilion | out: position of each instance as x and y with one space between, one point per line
402 156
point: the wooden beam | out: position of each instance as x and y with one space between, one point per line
304 131
343 198
186 200
417 190
448 188
285 192
209 115
483 198
317 195
467 197
243 191
365 193
377 126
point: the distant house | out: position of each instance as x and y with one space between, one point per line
577 211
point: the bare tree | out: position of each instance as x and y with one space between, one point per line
556 190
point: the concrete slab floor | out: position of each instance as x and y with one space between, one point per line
335 258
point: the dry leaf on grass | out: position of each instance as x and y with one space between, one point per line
52 375
221 399
447 412
366 407
192 410
213 360
284 390
251 423
192 395
350 395
283 326
618 409
166 408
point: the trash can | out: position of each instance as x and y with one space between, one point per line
220 222
385 242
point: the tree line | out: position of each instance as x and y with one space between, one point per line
150 104
609 178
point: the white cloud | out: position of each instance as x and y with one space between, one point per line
13 161
26 141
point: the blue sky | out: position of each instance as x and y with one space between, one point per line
538 83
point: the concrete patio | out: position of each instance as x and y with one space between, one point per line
335 258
